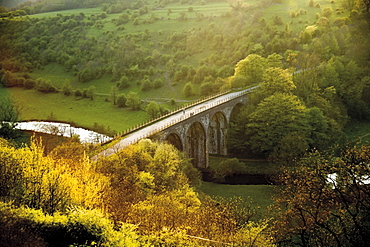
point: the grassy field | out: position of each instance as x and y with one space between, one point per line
260 196
81 112
358 131
85 112
299 23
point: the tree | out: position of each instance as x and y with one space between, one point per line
251 67
319 128
123 82
157 83
146 85
8 79
133 100
367 4
153 110
121 100
275 118
188 90
78 93
8 118
114 94
54 182
90 93
274 60
325 200
45 86
277 80
208 88
67 88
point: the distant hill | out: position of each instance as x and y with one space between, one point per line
12 3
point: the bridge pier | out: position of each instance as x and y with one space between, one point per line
200 132
203 133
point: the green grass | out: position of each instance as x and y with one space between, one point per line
259 195
299 23
40 106
86 11
82 112
357 130
55 73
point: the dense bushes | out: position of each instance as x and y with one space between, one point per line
21 226
146 184
227 168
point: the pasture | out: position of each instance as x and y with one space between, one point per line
84 112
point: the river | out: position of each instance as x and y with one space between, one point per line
63 129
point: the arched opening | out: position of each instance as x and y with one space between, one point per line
196 146
175 140
236 132
217 134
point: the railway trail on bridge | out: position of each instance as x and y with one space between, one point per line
175 118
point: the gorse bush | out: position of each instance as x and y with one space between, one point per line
53 183
21 226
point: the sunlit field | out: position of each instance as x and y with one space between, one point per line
167 22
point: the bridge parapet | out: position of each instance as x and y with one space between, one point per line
201 128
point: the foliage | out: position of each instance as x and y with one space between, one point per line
254 234
188 90
153 110
275 118
251 68
133 101
227 168
121 100
29 178
326 200
277 80
8 117
24 226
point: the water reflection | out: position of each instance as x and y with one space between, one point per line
63 129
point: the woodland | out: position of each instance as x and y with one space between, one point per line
137 60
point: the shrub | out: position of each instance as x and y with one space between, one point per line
29 83
238 81
45 86
146 85
123 82
121 100
227 168
207 88
78 93
157 83
327 12
188 90
29 227
277 20
67 88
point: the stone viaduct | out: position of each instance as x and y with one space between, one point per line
198 130
203 132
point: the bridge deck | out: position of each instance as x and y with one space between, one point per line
169 121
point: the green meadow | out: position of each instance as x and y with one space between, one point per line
80 112
259 196
85 112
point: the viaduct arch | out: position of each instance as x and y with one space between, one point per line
204 133
199 130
